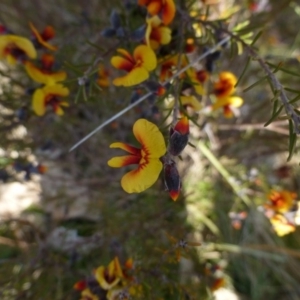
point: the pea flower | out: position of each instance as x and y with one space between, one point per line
147 157
16 48
156 33
103 76
197 79
164 8
41 39
225 85
169 65
138 66
49 95
109 276
44 73
281 201
223 90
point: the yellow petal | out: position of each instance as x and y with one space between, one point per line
56 89
122 161
221 102
126 147
137 181
134 77
165 35
146 55
20 42
150 137
100 274
37 75
121 63
38 102
235 101
191 101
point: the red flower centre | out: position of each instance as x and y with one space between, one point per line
53 101
15 51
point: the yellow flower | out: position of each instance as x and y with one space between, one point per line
49 95
156 33
108 277
223 89
147 158
169 65
16 48
225 86
165 8
103 78
42 38
281 201
197 78
138 66
44 74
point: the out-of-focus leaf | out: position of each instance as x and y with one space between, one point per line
275 113
256 38
297 74
255 84
244 71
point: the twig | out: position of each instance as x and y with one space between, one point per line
257 126
277 86
126 109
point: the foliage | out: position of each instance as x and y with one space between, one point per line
204 104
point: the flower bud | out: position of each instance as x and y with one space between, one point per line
179 136
172 179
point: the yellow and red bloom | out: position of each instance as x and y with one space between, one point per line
49 95
164 8
108 277
223 90
137 66
42 38
281 201
197 78
156 33
103 77
169 65
147 157
225 85
44 74
16 48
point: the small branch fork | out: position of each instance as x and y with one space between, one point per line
144 97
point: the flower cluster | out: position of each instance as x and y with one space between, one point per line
224 89
16 48
151 158
110 282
